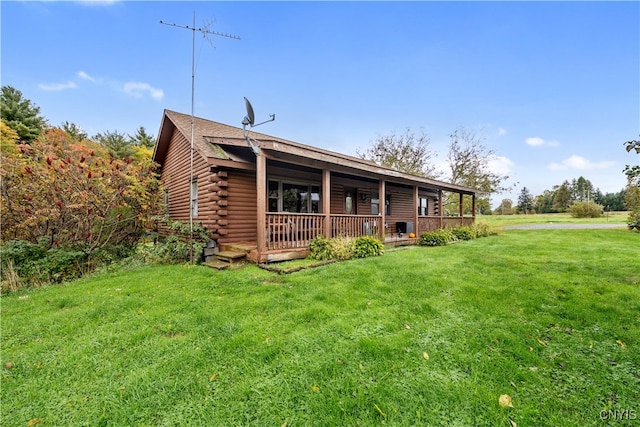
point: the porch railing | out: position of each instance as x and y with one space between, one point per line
290 231
432 223
286 231
356 225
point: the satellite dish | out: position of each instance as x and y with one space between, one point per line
250 117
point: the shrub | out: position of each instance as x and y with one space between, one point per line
437 238
367 246
29 264
341 248
175 247
482 229
463 233
586 210
320 248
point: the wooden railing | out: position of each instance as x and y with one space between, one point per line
432 223
428 223
290 231
286 231
356 225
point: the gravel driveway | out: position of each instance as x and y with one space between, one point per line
561 226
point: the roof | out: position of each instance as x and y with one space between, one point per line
215 142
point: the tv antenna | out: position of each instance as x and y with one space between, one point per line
250 119
206 33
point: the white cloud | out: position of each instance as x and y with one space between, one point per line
580 163
500 165
502 131
138 90
536 141
85 76
57 87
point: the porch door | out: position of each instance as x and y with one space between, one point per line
350 201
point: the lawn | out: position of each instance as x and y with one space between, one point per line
553 218
422 336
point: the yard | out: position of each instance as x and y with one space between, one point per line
420 336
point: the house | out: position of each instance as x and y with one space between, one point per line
272 202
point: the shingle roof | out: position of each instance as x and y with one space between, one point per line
207 131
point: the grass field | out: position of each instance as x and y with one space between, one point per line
554 218
422 336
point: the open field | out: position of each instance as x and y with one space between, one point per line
421 336
554 218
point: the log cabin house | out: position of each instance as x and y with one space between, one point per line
271 205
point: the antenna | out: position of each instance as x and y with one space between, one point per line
205 33
250 119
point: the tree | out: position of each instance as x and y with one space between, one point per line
74 194
468 162
8 138
544 202
525 200
563 198
406 152
75 132
20 114
142 138
505 208
632 198
116 143
611 201
581 189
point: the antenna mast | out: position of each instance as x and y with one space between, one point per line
205 33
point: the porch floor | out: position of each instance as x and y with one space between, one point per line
274 255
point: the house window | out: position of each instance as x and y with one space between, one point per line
349 202
166 202
194 198
423 206
274 196
375 204
293 197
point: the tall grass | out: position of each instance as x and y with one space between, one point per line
425 336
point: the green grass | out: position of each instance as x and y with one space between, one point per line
428 336
554 218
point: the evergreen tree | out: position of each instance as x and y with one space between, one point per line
142 138
525 200
116 144
21 114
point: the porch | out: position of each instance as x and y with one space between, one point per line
287 235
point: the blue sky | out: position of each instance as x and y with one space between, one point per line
553 87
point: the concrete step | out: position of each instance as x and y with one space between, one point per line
217 264
230 256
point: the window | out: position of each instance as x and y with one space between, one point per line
274 196
375 204
423 206
292 197
194 198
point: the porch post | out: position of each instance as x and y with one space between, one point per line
473 206
415 210
440 206
382 203
326 201
461 209
261 201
